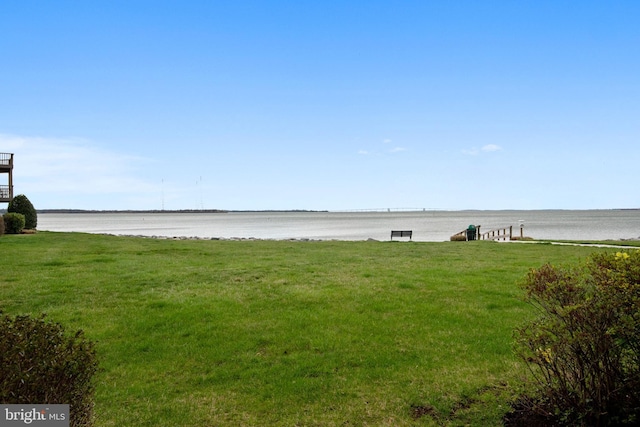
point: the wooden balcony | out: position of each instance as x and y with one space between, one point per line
6 166
6 162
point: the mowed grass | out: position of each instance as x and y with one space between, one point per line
285 333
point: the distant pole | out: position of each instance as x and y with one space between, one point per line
162 192
201 200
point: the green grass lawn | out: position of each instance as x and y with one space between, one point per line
285 333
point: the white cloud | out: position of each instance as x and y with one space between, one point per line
53 168
491 147
397 149
363 152
386 141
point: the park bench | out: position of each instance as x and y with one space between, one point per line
401 233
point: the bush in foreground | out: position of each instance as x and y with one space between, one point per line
13 223
40 364
584 348
20 204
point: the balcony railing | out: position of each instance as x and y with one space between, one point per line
6 158
5 193
6 161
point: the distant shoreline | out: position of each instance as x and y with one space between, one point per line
130 211
175 211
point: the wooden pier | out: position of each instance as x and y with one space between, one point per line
499 233
503 233
6 166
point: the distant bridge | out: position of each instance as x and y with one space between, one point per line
389 210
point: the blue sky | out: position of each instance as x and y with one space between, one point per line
322 105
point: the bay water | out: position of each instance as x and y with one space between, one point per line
427 225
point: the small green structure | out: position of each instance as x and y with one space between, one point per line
472 232
6 166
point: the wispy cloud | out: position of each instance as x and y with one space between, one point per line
382 152
65 166
490 148
397 149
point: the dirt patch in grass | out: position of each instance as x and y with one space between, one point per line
419 411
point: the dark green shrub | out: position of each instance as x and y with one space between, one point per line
13 223
1 225
40 364
584 348
20 204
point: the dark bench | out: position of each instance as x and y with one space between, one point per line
401 233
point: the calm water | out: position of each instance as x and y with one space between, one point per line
426 225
